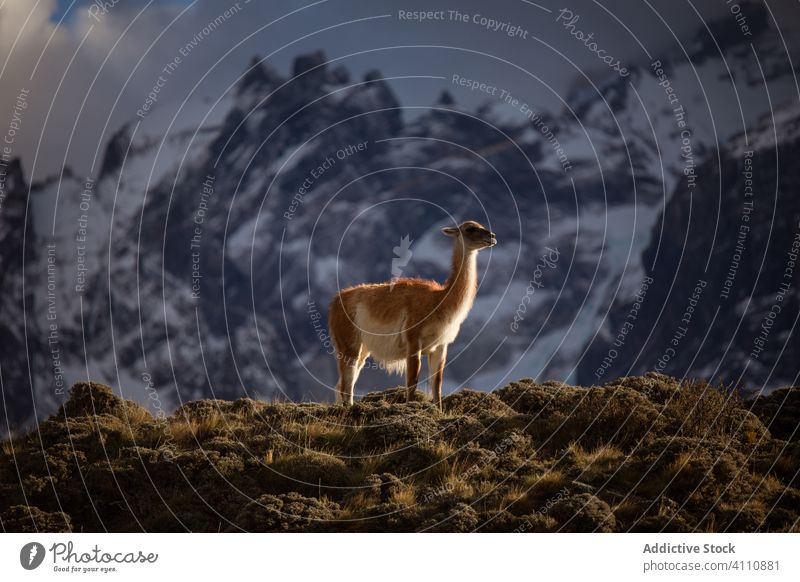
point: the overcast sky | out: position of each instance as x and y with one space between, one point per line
67 52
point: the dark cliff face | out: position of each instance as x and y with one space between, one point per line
724 299
15 254
13 196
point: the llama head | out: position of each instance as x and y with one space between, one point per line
473 235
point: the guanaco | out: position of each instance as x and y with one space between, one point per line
399 321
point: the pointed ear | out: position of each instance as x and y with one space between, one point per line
450 231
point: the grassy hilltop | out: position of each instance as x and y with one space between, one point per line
638 454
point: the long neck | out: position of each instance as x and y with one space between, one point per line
462 284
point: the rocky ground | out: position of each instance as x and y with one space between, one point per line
638 454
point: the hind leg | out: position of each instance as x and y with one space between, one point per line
350 352
413 363
349 368
436 360
345 373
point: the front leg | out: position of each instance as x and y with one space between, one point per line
436 359
413 363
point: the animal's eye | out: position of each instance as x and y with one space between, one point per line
471 229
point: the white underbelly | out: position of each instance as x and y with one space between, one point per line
385 340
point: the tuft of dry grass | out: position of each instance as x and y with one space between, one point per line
483 487
626 510
700 409
550 481
315 434
404 495
513 498
358 502
7 447
138 415
680 463
769 485
750 437
445 452
539 489
458 485
598 463
188 431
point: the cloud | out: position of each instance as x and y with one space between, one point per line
89 75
